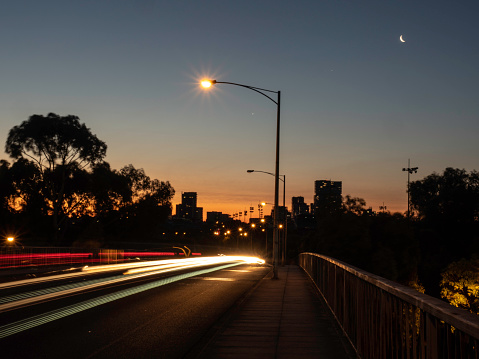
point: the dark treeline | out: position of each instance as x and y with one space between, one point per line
436 249
57 189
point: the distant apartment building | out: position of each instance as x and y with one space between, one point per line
299 207
217 217
188 208
327 196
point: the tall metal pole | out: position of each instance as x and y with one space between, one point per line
285 226
409 172
276 192
408 181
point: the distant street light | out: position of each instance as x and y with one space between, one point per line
409 172
253 226
207 84
12 242
285 232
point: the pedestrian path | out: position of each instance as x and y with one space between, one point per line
281 318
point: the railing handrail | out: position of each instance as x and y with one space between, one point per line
459 318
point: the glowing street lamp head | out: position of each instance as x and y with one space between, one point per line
10 239
207 83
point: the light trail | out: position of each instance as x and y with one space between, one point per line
201 261
84 271
28 323
42 259
25 282
34 297
45 256
115 267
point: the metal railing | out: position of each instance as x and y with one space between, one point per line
386 320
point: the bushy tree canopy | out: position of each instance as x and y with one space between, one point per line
452 196
52 153
53 140
460 284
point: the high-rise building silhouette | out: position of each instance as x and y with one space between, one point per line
188 208
299 207
327 197
217 217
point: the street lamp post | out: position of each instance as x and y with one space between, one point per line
209 83
285 234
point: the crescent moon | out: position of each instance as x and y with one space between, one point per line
400 38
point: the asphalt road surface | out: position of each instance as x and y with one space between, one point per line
166 319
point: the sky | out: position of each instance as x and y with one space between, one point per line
356 102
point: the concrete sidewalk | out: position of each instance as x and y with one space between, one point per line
281 318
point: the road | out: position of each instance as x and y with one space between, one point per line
164 315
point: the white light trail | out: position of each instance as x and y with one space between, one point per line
28 323
33 297
115 267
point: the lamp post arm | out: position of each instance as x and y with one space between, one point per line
256 89
268 173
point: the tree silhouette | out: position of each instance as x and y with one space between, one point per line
110 189
6 187
59 176
27 188
150 202
447 207
452 197
60 148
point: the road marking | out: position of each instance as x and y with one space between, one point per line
218 279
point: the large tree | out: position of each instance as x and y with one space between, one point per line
452 197
61 149
446 207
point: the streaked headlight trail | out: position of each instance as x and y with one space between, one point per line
133 271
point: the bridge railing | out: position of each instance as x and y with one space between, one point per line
384 319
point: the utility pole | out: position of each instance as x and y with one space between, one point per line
409 172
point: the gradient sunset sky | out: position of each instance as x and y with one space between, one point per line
356 101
